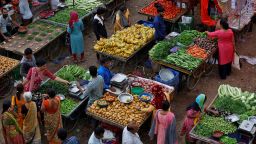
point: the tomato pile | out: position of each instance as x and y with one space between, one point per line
171 10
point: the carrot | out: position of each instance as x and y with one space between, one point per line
197 52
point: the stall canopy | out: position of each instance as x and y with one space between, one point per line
205 18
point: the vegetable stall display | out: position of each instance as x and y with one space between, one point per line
171 11
109 109
7 64
82 7
189 53
229 101
39 34
71 73
126 43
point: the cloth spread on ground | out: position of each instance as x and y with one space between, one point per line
250 60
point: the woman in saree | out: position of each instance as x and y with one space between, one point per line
52 116
17 102
31 130
159 97
164 126
11 131
37 74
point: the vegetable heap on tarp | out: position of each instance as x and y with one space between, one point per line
73 73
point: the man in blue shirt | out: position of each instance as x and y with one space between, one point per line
62 135
159 25
104 71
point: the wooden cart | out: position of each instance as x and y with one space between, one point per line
193 77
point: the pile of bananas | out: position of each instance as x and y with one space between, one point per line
125 42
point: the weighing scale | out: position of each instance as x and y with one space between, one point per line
247 129
74 90
120 81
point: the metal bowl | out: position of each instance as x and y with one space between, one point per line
125 98
145 97
62 97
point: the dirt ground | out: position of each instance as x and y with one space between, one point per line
245 78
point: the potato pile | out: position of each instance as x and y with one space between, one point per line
125 42
6 64
121 113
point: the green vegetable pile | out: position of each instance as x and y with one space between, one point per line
73 73
67 106
209 124
161 50
249 99
184 60
230 105
57 86
187 37
82 7
228 140
246 115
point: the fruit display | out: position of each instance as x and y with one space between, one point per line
38 35
209 124
171 11
183 60
247 98
125 42
121 113
67 105
197 52
73 73
7 64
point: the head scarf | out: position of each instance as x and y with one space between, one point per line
159 96
200 99
193 106
6 105
73 18
28 96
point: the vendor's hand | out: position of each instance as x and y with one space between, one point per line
112 89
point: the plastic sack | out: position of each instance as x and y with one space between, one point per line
236 62
173 82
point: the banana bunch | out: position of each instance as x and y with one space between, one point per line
124 43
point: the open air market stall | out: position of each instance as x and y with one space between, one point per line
189 53
119 111
229 119
6 81
125 44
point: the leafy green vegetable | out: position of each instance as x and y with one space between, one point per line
38 39
184 60
30 38
57 86
35 33
161 50
209 124
228 140
230 105
73 72
67 105
43 34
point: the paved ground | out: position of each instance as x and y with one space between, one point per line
245 78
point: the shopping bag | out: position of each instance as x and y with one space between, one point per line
236 62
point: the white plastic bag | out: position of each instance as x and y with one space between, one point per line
236 62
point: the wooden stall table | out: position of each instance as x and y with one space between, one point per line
6 80
39 36
193 76
119 114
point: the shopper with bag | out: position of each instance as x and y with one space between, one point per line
226 44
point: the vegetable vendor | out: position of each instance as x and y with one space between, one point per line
159 25
8 25
94 89
121 19
37 74
159 97
28 59
106 73
226 46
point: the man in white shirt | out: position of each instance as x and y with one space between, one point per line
130 135
96 136
6 25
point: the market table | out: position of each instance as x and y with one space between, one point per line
104 44
6 66
193 75
171 20
130 109
39 36
222 93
